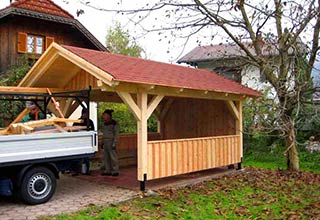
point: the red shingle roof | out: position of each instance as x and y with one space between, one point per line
42 6
137 70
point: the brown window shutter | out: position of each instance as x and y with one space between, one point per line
22 42
49 41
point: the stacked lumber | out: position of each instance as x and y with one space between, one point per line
52 125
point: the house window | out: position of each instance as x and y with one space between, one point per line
35 44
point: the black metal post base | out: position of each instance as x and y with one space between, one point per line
239 165
143 183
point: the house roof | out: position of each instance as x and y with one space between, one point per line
203 53
49 11
43 6
137 70
230 51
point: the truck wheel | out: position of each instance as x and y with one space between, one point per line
38 185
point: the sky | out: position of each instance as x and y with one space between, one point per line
98 22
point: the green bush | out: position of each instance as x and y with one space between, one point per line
11 77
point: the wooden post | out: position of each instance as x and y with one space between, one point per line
239 131
142 130
142 110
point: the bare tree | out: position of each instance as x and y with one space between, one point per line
279 37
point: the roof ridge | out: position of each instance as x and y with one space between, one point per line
19 2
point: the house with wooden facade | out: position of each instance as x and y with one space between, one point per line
28 27
200 112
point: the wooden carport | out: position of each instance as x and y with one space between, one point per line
200 112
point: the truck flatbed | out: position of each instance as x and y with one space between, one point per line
17 149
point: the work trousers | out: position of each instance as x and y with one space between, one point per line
110 157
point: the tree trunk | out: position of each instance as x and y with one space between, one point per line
292 151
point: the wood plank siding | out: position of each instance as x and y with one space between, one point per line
82 80
191 118
179 156
11 26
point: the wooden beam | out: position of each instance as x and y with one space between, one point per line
56 105
233 109
66 106
40 69
128 100
28 90
153 104
240 126
17 120
170 91
86 66
142 136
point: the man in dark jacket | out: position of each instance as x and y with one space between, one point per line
84 118
110 140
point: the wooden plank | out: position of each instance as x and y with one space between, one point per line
233 109
163 160
150 161
135 109
232 151
56 105
240 128
156 160
59 128
213 153
205 152
200 147
180 156
27 90
38 69
142 128
168 159
209 153
190 156
196 155
153 104
175 158
83 64
218 145
185 156
170 91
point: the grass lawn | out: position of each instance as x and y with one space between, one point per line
276 160
255 193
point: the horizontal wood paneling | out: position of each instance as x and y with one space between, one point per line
174 157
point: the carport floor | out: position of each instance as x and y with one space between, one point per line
128 178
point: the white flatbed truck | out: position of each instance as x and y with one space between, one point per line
30 163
